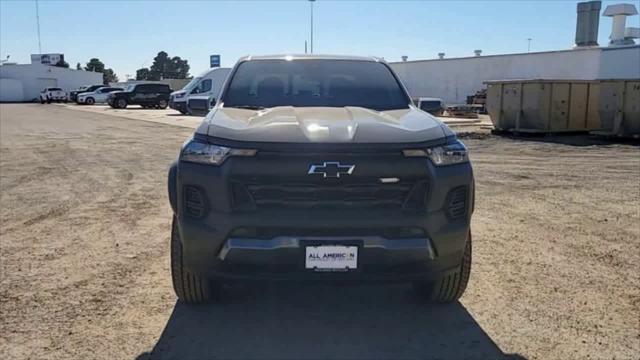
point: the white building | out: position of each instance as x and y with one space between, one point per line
454 79
24 82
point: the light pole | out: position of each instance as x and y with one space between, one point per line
38 23
311 5
529 44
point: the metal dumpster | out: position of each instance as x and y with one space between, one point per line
619 108
610 107
544 106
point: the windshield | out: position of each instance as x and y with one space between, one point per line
192 84
130 87
332 83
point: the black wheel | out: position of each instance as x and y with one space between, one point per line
121 103
65 101
184 112
48 100
189 287
162 104
450 287
42 101
90 101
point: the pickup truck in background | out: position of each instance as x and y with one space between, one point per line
52 94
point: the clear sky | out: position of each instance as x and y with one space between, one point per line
126 35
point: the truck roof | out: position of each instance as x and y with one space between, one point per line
310 57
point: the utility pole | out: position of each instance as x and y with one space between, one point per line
311 4
529 44
38 22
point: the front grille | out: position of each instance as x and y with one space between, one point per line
195 205
403 232
457 204
353 196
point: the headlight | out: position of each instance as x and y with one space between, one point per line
179 95
453 153
203 153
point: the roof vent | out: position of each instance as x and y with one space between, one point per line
440 55
587 23
477 52
619 13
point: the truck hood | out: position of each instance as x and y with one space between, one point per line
323 125
178 92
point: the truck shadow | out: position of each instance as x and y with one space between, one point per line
285 321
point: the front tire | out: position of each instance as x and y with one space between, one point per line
162 104
450 287
121 103
190 288
90 101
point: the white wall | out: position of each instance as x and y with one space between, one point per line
35 77
454 79
11 90
620 63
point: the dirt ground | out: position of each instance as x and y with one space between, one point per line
84 233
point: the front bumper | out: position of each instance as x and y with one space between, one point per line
393 245
178 105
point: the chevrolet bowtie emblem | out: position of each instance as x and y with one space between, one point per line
331 169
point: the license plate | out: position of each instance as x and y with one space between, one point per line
331 258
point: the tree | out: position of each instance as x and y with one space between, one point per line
78 66
61 63
165 67
95 65
109 76
142 74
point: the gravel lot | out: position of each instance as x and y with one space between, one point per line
84 234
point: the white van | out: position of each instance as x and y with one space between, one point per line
208 83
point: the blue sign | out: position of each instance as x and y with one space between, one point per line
214 61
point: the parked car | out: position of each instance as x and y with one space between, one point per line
320 168
73 94
147 95
207 84
433 106
99 96
52 94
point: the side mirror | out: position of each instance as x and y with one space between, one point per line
199 105
212 103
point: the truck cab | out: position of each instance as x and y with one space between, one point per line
207 84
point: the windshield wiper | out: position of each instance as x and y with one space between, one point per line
249 107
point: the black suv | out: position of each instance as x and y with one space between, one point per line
73 94
320 168
145 95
